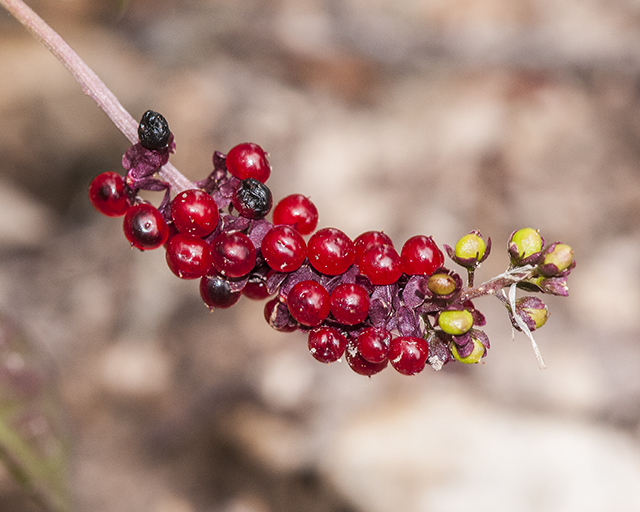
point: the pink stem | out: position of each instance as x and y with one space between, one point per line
91 85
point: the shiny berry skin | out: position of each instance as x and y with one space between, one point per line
349 303
408 354
283 248
248 160
188 257
331 251
194 212
144 227
381 264
153 130
233 254
278 317
107 194
326 344
252 199
369 239
373 344
256 288
359 364
420 256
309 303
216 292
297 211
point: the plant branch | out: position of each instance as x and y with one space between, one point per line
491 287
91 85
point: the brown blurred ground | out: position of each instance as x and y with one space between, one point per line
416 117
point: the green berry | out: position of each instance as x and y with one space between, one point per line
470 246
475 356
524 243
455 322
561 256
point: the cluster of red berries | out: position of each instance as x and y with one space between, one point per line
358 298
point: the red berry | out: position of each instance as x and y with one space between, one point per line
144 227
107 194
216 292
408 354
248 160
252 199
188 257
359 364
369 239
256 288
326 344
349 303
194 213
381 264
373 344
420 256
309 303
331 251
298 211
277 316
233 254
284 249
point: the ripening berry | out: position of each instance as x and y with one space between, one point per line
373 344
194 212
420 256
145 227
107 194
297 211
441 284
455 322
368 239
326 344
381 264
283 248
359 364
309 303
248 160
216 292
408 354
533 312
557 258
233 254
188 257
349 303
475 355
153 130
330 251
252 199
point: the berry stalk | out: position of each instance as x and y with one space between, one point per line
91 85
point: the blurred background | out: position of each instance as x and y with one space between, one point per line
417 117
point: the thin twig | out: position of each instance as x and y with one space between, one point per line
91 85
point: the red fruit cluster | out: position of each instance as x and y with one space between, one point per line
355 298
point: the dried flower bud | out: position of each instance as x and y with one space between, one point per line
474 356
525 246
533 311
470 250
455 321
556 259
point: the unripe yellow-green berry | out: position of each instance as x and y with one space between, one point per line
455 322
475 356
527 242
470 246
561 257
441 284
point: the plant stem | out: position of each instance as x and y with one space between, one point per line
492 286
91 85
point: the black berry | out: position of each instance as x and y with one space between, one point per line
252 199
153 130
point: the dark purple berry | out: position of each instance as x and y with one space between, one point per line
252 199
216 292
153 130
